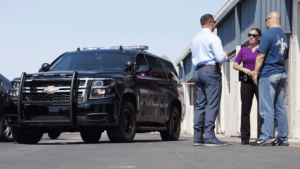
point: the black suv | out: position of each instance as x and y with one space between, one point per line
5 130
122 90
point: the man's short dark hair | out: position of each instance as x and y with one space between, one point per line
205 19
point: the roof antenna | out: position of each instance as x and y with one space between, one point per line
78 49
121 48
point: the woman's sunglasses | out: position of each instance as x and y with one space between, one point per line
253 35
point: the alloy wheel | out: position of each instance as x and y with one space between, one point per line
7 130
127 122
175 124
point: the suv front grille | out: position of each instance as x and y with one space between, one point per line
65 96
46 97
47 83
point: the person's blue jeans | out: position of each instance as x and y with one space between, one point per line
272 106
208 90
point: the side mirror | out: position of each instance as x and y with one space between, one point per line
129 64
45 66
145 69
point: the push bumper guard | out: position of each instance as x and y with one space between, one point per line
72 103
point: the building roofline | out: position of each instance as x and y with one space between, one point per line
225 11
223 7
219 16
183 54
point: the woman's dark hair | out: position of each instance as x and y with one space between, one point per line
258 31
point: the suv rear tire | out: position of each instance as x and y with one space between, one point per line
173 126
54 134
126 129
5 130
91 136
26 136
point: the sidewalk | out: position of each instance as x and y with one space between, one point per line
293 142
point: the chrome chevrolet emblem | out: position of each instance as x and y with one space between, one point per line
50 89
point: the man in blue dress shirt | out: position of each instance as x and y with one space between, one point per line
207 57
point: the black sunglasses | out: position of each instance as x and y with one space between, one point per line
253 35
267 19
213 22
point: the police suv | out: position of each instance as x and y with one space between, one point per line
123 90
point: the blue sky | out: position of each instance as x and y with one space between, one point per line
35 32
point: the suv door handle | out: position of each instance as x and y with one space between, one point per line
154 85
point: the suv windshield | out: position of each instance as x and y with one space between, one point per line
91 60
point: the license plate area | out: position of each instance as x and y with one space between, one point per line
35 112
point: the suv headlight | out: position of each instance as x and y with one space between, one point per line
101 88
16 85
14 92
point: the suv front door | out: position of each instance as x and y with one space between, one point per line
3 95
146 93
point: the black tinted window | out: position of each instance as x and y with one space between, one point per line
153 62
140 60
156 70
162 68
170 67
171 71
96 60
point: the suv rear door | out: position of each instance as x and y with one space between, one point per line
175 83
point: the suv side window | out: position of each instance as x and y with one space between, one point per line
140 60
1 84
160 62
171 71
156 70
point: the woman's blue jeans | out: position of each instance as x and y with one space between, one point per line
272 107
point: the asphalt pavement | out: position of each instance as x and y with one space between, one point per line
147 151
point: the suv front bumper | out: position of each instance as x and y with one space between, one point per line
90 113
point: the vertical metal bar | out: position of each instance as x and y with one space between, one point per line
23 77
73 115
237 25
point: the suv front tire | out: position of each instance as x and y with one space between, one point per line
126 129
23 135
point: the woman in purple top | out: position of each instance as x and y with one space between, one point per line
248 55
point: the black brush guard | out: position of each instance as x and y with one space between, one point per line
72 102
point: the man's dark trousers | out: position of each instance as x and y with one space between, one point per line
208 89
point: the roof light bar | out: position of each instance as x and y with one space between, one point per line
137 47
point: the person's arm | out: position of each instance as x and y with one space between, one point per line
237 62
258 63
217 50
238 67
262 50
